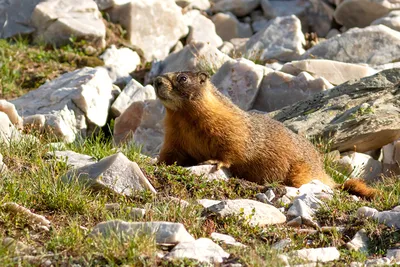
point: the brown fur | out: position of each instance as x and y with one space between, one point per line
202 125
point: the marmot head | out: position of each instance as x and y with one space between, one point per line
177 89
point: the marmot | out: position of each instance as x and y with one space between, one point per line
203 126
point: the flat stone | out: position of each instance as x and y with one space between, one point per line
240 81
376 45
361 114
15 16
225 239
317 254
193 57
120 62
228 26
367 12
202 249
202 29
133 92
361 165
116 173
264 214
57 20
153 35
279 89
391 20
209 172
70 103
72 158
238 7
282 39
334 72
164 232
359 242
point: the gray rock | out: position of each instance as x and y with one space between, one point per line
240 80
258 25
367 12
134 213
270 194
58 20
149 140
195 4
229 27
377 45
116 173
334 72
72 158
164 232
317 254
300 209
225 239
193 57
209 172
391 20
377 262
359 242
279 89
202 249
360 165
275 8
282 39
238 7
296 222
281 244
340 113
393 254
70 103
153 35
256 213
389 218
319 17
263 198
17 247
119 63
202 29
15 16
133 92
206 203
391 158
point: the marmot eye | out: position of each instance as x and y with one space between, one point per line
182 78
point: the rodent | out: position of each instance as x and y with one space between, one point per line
204 126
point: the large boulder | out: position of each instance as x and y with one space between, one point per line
360 13
153 26
374 45
359 115
70 104
282 39
202 29
15 17
57 21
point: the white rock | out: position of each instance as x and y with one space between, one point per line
279 89
263 198
319 16
367 11
202 29
15 17
164 232
70 103
377 262
37 122
196 4
392 20
225 239
270 194
134 213
72 158
8 132
367 212
209 172
281 244
300 209
206 203
240 80
361 165
120 62
116 173
314 187
334 72
238 7
229 27
133 92
391 158
193 57
282 39
264 214
359 242
58 20
389 218
9 109
3 166
377 45
393 254
317 254
153 34
149 140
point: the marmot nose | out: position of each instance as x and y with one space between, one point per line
158 82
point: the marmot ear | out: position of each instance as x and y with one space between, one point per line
203 76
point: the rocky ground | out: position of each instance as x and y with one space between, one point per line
80 128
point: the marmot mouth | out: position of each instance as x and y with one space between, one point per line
161 86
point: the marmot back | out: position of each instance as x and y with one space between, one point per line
203 126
